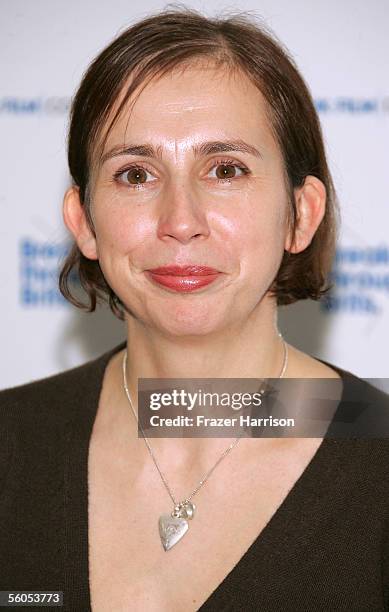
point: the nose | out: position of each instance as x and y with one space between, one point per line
181 215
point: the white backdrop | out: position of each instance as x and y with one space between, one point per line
342 50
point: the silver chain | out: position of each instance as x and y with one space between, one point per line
204 480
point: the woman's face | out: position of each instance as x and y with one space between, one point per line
188 199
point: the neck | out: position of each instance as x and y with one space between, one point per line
252 350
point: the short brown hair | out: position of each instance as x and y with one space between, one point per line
151 48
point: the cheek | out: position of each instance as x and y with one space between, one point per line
261 222
118 232
263 238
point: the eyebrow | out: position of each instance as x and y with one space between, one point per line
201 149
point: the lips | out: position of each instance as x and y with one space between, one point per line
192 270
183 278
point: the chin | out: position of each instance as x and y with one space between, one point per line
185 322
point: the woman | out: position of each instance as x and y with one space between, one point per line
201 200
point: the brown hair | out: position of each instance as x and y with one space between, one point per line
151 48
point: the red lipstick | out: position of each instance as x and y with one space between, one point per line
183 278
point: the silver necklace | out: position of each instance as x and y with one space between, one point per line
173 526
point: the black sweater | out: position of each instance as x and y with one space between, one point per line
325 549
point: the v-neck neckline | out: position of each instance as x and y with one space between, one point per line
77 487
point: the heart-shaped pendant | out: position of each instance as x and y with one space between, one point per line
171 530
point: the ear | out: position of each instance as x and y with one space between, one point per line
310 202
74 216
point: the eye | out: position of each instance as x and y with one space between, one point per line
225 170
133 176
136 176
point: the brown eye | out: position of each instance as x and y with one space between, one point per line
225 171
136 176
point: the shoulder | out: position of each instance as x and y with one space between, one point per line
361 419
303 365
358 391
58 394
52 390
362 414
39 417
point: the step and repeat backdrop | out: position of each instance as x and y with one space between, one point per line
341 48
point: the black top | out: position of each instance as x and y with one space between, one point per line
325 549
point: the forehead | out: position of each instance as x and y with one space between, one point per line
193 103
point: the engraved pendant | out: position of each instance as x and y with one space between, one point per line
172 527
